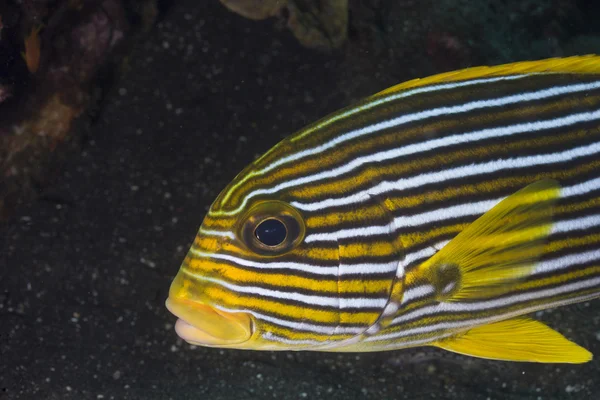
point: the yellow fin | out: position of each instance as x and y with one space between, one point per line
519 339
588 64
495 252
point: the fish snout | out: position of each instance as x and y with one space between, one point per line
201 324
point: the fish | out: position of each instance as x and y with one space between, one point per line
444 211
32 53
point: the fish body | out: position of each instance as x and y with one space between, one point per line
32 52
441 212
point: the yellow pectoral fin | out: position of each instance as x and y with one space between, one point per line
498 250
520 339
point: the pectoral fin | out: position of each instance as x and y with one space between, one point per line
520 339
493 254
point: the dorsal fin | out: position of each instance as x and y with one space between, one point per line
588 64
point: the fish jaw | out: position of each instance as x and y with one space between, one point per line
200 324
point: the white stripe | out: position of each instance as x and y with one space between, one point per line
563 262
208 232
460 210
412 343
424 253
455 173
470 106
294 342
404 94
563 226
345 303
581 188
360 109
456 307
464 210
447 110
325 301
558 227
576 224
477 208
334 271
300 326
390 309
470 324
366 269
481 321
566 262
417 292
456 211
310 268
429 145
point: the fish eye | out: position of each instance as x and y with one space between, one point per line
271 232
271 228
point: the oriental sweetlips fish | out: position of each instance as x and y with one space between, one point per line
438 212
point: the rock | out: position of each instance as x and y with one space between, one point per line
316 24
255 9
319 24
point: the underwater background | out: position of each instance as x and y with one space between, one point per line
90 245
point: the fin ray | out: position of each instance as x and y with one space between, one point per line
495 252
519 339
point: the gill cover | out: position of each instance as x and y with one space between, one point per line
386 249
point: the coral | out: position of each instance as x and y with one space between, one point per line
52 52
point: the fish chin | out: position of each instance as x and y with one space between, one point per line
194 335
203 325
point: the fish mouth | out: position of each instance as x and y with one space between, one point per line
200 324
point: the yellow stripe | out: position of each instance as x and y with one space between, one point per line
367 213
300 335
465 316
498 185
225 223
373 212
403 168
415 239
588 64
321 286
334 156
220 295
381 142
554 280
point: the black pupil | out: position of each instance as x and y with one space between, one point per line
271 232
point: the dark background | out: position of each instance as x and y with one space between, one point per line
85 269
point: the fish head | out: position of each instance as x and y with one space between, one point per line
230 278
263 273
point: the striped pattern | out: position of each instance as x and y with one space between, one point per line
385 184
